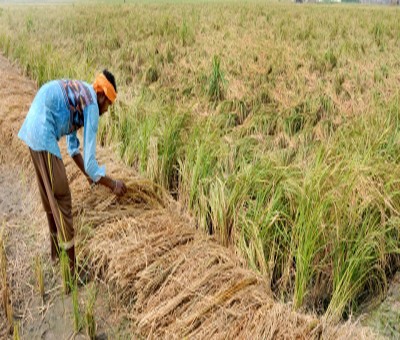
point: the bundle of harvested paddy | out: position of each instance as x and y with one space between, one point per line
178 283
175 282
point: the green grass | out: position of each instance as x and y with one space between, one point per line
66 275
16 335
89 314
76 314
279 134
38 268
217 81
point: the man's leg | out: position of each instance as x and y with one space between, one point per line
56 186
54 249
62 207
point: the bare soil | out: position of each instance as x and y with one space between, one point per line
385 318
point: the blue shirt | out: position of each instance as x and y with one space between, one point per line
48 120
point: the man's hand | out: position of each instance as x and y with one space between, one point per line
116 186
120 188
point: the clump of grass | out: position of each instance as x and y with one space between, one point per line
330 59
29 24
16 331
308 236
184 33
327 106
381 74
66 274
169 146
137 120
294 123
216 88
170 53
89 315
196 170
378 31
237 107
152 74
221 217
39 275
75 307
339 80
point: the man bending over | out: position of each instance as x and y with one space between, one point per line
60 108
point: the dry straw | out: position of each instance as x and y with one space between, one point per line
39 275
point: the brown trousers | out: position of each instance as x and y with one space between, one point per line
55 195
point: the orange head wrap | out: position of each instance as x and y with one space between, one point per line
101 84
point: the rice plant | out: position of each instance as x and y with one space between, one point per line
167 153
217 82
16 335
220 218
66 275
152 74
184 33
90 321
77 318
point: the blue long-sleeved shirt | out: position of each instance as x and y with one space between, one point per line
48 120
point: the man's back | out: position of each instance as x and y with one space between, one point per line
49 117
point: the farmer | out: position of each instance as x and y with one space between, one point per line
60 108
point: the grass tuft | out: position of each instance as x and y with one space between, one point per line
16 335
77 318
66 275
216 88
89 315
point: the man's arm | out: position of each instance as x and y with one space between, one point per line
79 162
73 150
116 186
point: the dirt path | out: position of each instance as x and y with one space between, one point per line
19 237
26 238
385 318
150 265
